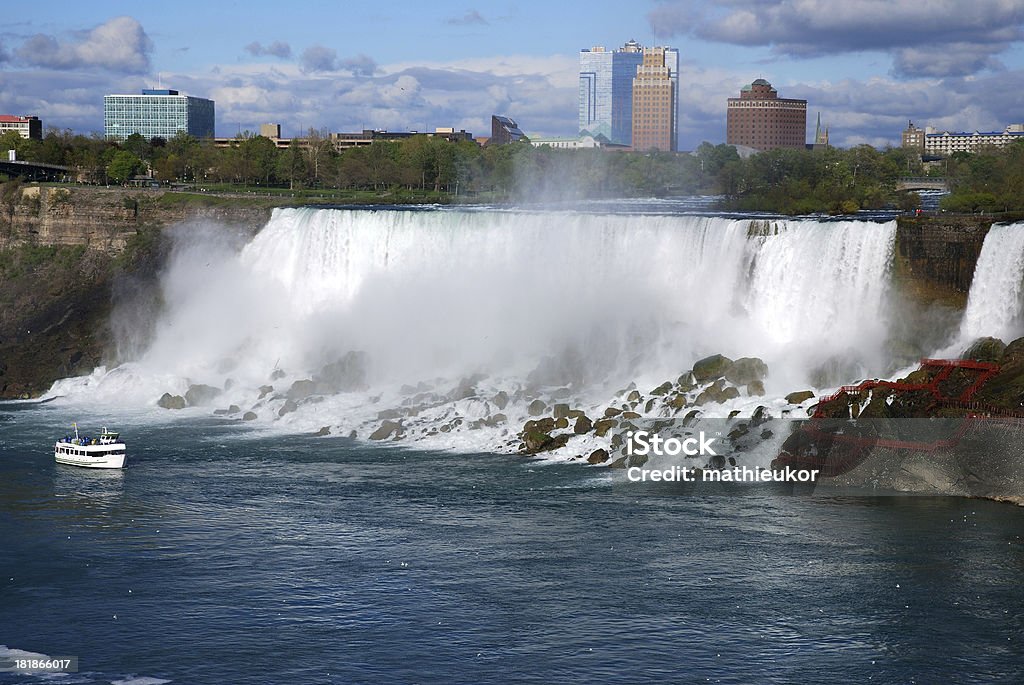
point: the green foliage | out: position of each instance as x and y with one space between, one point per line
991 180
798 181
26 258
123 165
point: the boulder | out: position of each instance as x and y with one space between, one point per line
1014 352
277 374
985 350
389 414
199 394
717 392
800 396
662 389
169 401
545 425
561 411
598 456
288 407
634 396
249 416
630 415
760 415
561 423
603 426
677 402
465 389
537 407
265 390
711 368
300 390
324 430
637 460
386 430
755 389
536 441
348 374
739 431
612 411
686 382
583 426
500 400
746 370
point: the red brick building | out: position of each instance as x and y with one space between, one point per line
760 119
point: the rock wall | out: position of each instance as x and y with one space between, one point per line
104 219
65 253
936 255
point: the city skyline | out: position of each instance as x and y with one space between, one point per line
867 66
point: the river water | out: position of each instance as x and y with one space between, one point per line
223 555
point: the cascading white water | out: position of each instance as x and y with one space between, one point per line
995 304
593 301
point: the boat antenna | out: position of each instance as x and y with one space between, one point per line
75 424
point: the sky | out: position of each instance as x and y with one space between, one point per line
868 66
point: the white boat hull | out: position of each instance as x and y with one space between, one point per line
90 456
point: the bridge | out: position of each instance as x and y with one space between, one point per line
922 183
36 171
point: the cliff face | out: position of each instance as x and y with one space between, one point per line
104 220
936 256
63 255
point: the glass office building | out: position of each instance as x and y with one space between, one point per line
157 113
606 90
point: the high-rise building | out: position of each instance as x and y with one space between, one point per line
27 127
655 100
157 113
607 80
504 131
760 119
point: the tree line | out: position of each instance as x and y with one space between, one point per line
990 180
790 181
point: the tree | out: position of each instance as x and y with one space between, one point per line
138 146
123 166
291 165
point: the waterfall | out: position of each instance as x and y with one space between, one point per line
592 301
995 305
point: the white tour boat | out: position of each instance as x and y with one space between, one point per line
105 452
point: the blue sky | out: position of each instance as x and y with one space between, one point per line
866 65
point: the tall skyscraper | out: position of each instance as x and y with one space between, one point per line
656 100
157 113
760 119
607 83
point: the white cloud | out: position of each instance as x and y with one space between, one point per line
119 45
925 37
